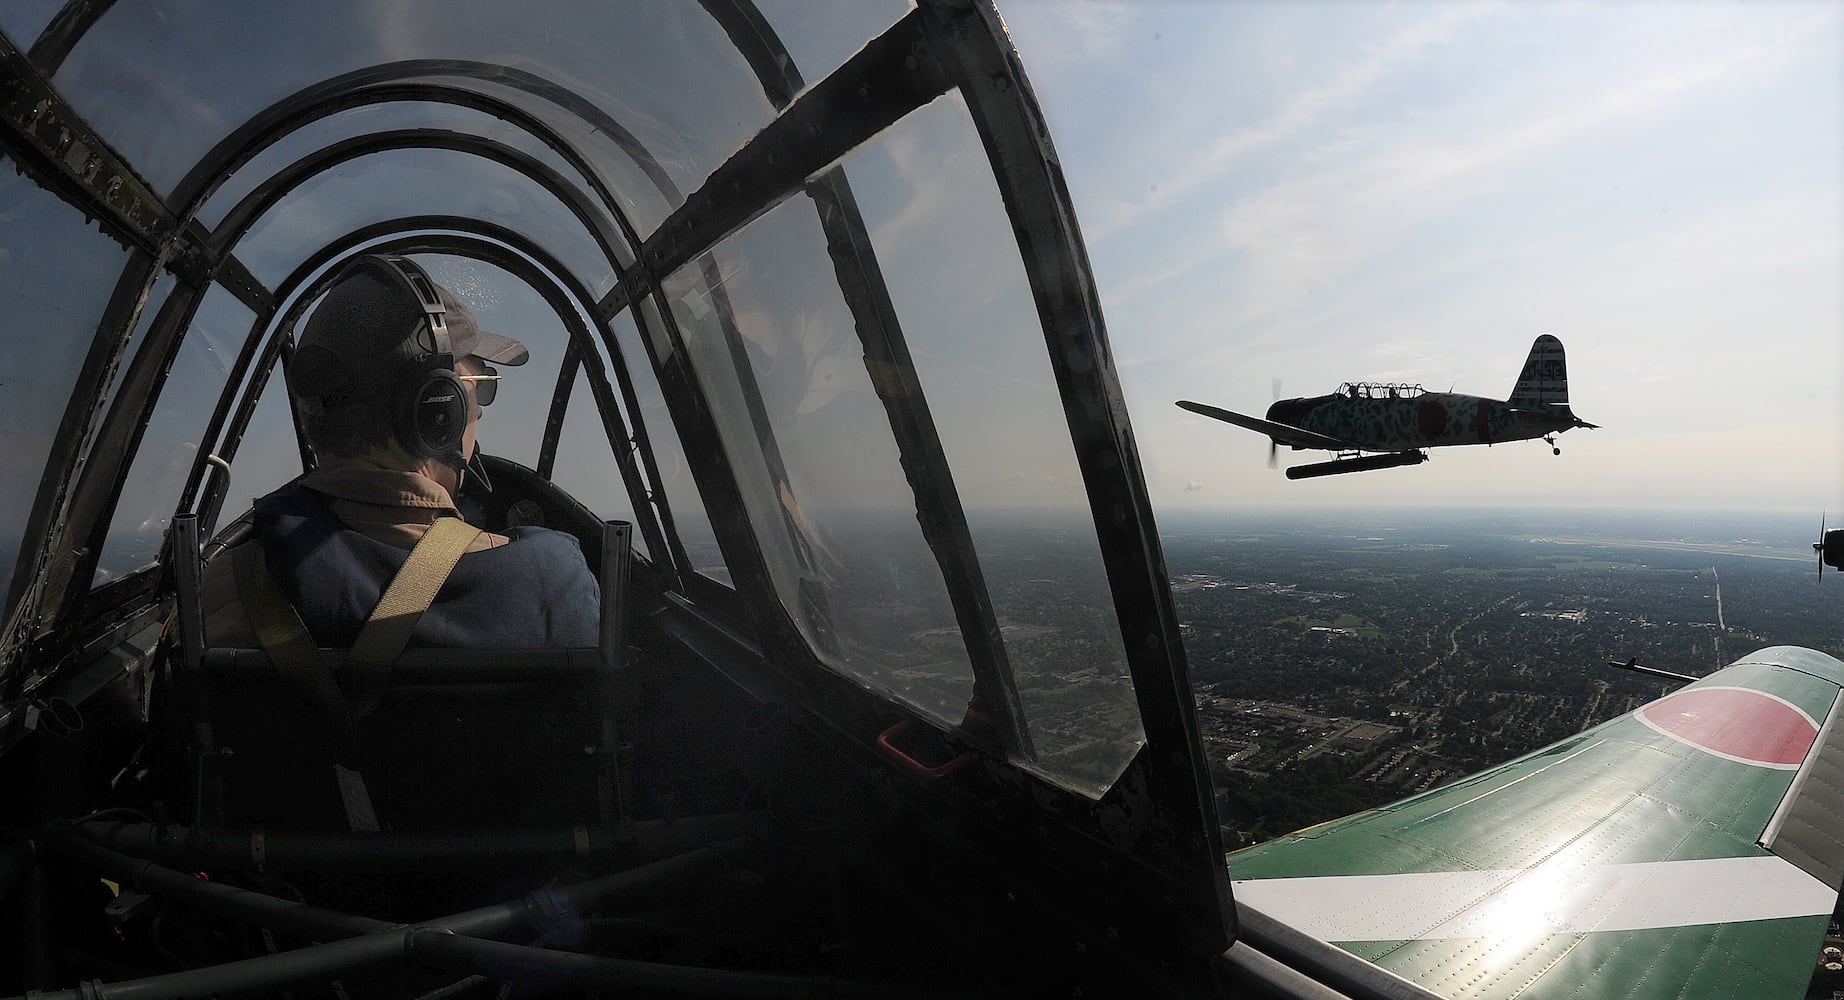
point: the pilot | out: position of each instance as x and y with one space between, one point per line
390 406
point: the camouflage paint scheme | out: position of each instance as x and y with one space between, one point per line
1412 419
1369 417
1621 862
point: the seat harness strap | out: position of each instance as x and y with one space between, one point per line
380 641
411 591
291 649
281 634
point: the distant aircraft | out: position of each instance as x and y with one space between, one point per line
1399 421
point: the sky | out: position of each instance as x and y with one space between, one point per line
1300 195
1397 191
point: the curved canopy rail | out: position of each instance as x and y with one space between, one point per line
816 263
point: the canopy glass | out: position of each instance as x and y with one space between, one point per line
836 385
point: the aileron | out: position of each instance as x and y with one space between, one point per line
1808 827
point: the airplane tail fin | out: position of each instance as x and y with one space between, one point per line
1545 378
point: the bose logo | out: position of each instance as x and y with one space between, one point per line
439 399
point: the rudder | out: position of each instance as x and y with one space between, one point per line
1545 378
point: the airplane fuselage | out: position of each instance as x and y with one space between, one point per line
1413 421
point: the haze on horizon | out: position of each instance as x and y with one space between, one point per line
1341 191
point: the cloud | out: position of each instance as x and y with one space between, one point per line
1082 34
1299 245
941 212
915 153
1299 116
1657 187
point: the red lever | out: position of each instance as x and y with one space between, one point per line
912 765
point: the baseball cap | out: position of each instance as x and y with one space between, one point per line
368 330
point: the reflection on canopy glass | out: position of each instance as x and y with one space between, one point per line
678 488
56 272
174 433
583 468
830 501
368 120
945 244
404 184
821 34
22 20
630 59
268 455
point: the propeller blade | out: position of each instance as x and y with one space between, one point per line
1818 547
1274 383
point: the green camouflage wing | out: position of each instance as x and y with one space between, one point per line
1627 861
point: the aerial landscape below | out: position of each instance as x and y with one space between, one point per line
1346 659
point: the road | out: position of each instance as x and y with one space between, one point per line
1721 626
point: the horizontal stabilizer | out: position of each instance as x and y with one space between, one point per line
1551 411
1287 434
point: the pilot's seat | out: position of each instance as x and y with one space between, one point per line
435 739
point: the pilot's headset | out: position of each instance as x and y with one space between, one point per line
429 411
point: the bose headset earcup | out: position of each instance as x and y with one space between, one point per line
437 414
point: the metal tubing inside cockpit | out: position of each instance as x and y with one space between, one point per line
296 850
575 971
378 942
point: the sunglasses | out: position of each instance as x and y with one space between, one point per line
486 384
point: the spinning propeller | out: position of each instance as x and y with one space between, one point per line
1273 445
1829 547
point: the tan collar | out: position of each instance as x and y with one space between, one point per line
394 506
362 482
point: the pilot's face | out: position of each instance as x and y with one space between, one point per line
470 366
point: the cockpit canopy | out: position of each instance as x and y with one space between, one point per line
801 284
1379 390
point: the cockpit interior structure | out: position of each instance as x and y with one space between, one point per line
810 325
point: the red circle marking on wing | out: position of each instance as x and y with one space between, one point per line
1735 723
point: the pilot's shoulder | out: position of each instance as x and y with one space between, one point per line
571 596
546 543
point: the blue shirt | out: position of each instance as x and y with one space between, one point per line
533 592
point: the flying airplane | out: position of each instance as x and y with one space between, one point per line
854 725
1399 422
